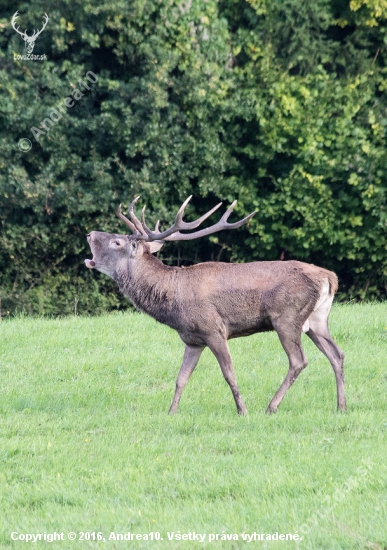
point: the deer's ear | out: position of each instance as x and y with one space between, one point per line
155 246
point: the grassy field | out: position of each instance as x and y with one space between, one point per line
86 444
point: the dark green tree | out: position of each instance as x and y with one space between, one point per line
278 104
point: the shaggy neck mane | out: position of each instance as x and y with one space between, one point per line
148 283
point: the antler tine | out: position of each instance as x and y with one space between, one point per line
219 226
44 25
226 215
196 223
180 212
179 224
234 225
151 234
144 225
135 220
126 221
13 23
139 229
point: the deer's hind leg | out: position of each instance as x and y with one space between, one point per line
319 334
290 336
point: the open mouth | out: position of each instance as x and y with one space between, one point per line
90 263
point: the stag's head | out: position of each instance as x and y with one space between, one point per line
29 40
112 252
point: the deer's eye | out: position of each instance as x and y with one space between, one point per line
116 243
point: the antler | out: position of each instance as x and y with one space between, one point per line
13 23
135 227
24 34
36 33
141 230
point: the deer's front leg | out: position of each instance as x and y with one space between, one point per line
219 347
190 360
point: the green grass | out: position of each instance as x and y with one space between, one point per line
86 443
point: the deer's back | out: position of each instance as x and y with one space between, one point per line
246 298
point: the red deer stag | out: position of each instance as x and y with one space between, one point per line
209 303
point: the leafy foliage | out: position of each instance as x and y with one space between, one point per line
278 104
